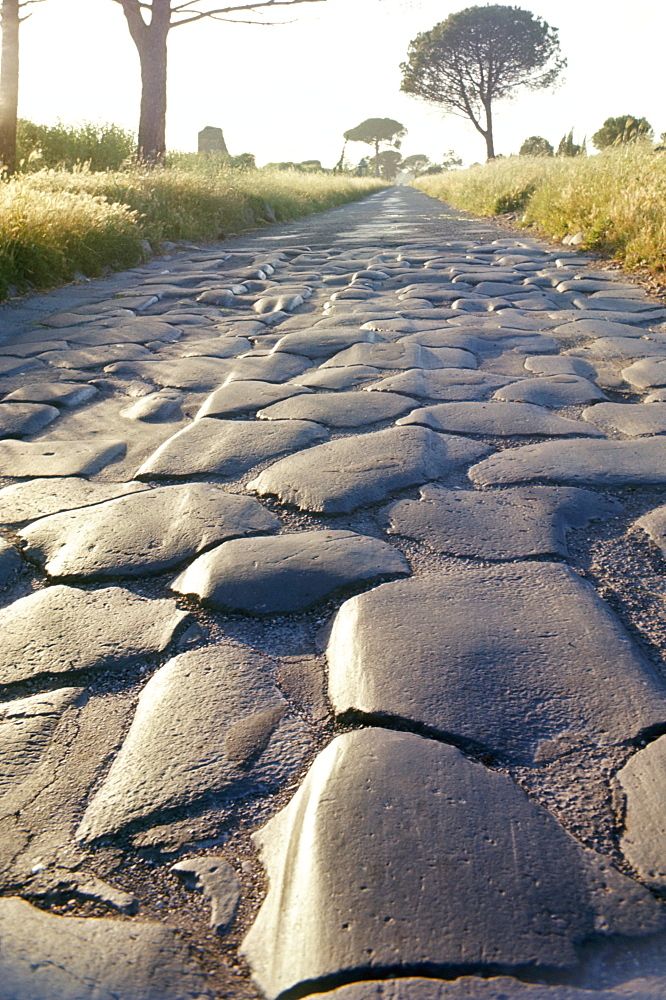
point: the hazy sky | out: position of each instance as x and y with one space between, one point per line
289 92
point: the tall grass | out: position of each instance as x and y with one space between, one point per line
55 223
617 199
102 147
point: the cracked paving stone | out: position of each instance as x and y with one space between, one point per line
403 354
510 524
267 368
219 883
228 447
339 476
648 373
41 497
164 405
209 722
552 390
45 957
134 331
440 650
642 782
356 885
19 419
244 397
496 418
338 409
62 629
196 374
56 393
289 572
633 419
592 463
148 532
337 378
51 457
495 988
446 383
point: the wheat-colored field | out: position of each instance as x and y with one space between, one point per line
617 198
57 223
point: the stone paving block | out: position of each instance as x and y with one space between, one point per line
642 783
510 524
348 377
558 364
495 418
437 650
10 562
289 572
147 532
633 419
130 331
41 497
654 524
495 988
197 374
219 883
316 343
45 957
610 348
216 347
21 419
14 366
617 304
476 882
647 373
404 354
56 393
155 407
244 397
597 328
228 448
96 357
270 368
210 722
447 383
351 472
62 629
552 390
338 409
52 457
592 463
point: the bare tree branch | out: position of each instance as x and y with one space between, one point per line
214 14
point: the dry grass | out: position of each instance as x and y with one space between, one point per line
56 223
617 198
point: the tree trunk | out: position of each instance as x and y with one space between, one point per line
489 137
376 157
9 77
151 43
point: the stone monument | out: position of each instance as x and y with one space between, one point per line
211 140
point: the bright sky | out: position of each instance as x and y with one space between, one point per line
289 92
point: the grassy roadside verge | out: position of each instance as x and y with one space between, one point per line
55 224
616 199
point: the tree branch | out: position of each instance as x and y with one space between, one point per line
214 14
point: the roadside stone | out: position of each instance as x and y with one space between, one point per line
502 419
45 957
341 475
148 532
41 497
446 383
244 397
337 378
21 419
633 419
504 629
642 781
403 354
219 883
62 629
592 463
339 409
22 459
552 390
55 393
227 448
476 882
289 572
155 407
210 722
648 373
510 524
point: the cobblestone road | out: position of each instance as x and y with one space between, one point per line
332 628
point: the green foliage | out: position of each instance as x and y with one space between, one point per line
103 147
416 164
55 223
304 166
536 145
616 198
389 162
617 131
478 56
377 130
567 146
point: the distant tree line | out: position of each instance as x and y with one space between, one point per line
620 131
